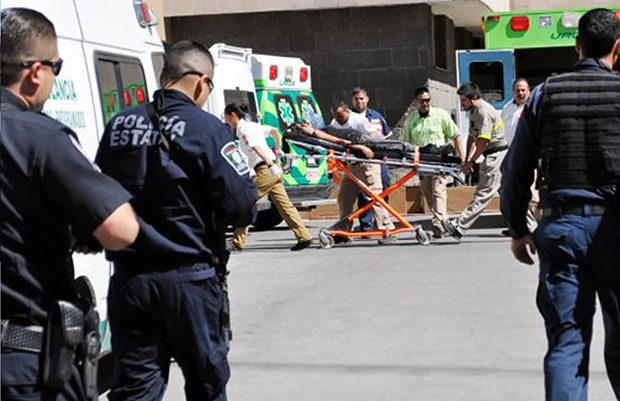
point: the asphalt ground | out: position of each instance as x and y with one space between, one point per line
447 321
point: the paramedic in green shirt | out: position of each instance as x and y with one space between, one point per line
432 126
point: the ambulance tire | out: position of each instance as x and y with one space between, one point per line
267 219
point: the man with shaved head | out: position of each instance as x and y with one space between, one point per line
189 181
53 200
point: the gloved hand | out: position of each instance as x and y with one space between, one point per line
275 170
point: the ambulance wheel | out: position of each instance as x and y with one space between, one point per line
326 241
422 236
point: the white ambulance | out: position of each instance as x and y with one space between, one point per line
232 79
112 60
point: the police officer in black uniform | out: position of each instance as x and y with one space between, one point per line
51 196
570 130
188 179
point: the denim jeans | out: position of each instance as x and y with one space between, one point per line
579 258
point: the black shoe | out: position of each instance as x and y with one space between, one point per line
437 232
451 229
387 240
301 245
339 239
232 247
506 233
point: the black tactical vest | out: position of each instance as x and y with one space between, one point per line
579 145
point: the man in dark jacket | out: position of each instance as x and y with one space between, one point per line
570 130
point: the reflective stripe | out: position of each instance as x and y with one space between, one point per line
496 126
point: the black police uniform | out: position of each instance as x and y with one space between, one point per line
570 129
164 300
50 191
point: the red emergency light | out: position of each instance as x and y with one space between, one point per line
493 18
145 12
111 101
127 98
273 72
618 15
303 74
140 95
520 23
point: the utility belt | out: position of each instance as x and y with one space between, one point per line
494 149
130 268
70 339
580 210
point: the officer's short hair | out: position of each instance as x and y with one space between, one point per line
183 57
357 90
22 29
599 29
340 104
421 90
470 90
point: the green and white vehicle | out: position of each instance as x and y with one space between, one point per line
284 92
532 44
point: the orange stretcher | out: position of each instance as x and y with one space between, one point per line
338 158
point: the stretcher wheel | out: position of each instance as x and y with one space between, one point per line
326 241
422 236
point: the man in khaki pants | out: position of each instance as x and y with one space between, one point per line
268 178
432 126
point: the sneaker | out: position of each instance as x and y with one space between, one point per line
387 240
451 229
339 239
437 232
301 245
232 247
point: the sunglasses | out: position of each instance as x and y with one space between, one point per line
56 65
424 100
200 74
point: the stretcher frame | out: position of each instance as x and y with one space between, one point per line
337 162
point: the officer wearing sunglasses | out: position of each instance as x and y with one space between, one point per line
50 193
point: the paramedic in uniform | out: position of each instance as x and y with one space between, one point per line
432 126
360 99
486 138
571 130
50 193
267 177
368 173
188 182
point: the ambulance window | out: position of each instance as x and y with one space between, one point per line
158 65
305 104
121 83
286 111
108 88
242 97
490 78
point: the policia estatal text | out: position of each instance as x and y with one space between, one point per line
52 196
189 181
570 129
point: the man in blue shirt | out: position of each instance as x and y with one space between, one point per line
570 131
359 100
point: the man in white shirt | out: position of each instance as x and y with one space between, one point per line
511 114
267 177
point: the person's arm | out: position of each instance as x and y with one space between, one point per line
364 149
119 229
308 129
276 137
459 147
95 204
451 132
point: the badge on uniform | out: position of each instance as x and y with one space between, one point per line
235 158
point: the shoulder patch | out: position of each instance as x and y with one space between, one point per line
232 154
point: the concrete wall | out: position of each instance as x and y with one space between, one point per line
388 50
